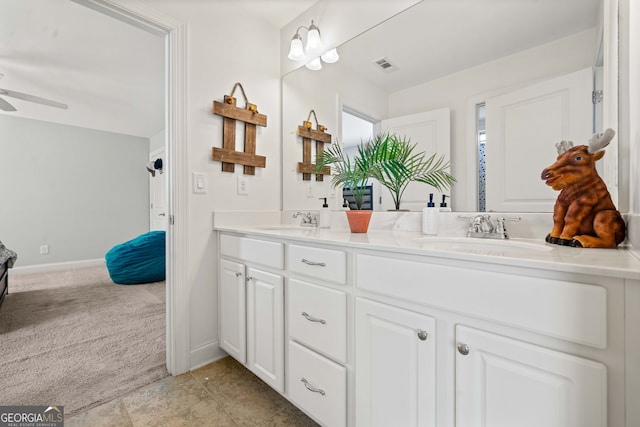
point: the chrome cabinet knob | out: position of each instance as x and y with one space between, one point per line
463 349
422 335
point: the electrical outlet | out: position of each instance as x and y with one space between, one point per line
309 189
44 249
243 185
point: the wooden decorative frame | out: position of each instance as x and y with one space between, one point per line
306 167
250 116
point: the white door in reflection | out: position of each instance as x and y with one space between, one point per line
522 128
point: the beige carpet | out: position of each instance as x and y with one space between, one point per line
77 339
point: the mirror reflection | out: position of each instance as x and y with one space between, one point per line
491 85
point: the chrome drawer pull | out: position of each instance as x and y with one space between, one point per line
319 264
422 335
313 319
312 388
238 274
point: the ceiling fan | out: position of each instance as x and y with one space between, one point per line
5 106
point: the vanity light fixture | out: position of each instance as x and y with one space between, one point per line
314 64
298 53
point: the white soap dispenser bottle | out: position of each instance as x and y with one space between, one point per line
430 217
324 220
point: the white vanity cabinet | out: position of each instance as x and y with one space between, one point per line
506 382
251 305
491 360
396 366
360 336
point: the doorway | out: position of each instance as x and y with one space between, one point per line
177 298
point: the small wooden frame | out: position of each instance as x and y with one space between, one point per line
306 167
250 116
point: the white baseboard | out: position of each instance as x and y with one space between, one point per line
45 268
205 354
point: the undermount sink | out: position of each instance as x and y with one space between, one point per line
482 246
277 227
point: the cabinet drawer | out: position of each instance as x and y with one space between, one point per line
317 385
568 310
270 254
318 318
322 264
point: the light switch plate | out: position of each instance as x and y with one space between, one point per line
199 182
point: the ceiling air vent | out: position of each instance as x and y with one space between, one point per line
385 65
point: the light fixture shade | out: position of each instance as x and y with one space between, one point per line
331 56
314 64
296 52
313 37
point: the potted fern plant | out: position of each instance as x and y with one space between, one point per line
395 164
352 173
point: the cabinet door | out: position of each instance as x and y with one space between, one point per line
231 297
265 326
395 366
504 382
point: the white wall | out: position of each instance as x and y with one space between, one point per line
328 89
157 141
80 191
225 45
454 91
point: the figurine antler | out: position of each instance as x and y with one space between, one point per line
601 140
563 146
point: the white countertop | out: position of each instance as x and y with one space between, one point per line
528 253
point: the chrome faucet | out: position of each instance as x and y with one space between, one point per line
309 219
482 227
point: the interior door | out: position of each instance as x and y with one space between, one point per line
523 127
157 195
431 131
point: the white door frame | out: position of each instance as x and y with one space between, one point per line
175 33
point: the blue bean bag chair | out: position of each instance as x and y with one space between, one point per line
140 260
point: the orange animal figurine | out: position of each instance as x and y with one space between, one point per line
584 214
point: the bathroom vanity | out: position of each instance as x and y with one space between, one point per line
397 328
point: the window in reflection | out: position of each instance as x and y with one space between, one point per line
356 128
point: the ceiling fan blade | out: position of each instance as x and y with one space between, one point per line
32 98
5 106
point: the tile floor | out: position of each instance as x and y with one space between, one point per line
222 394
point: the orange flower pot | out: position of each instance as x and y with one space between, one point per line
359 220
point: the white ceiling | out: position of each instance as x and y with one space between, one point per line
436 38
111 73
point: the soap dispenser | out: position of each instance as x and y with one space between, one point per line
430 218
443 204
325 214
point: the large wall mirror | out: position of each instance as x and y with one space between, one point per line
508 80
